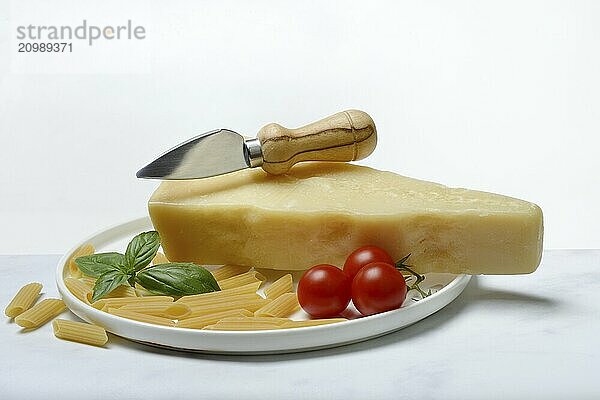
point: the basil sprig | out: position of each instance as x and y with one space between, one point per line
172 279
141 250
107 282
177 279
97 264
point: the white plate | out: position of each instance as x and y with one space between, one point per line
252 342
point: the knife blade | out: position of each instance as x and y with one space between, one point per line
346 136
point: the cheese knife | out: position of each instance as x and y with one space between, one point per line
346 136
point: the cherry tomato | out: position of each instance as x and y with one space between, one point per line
324 291
363 256
378 287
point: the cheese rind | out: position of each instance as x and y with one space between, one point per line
320 212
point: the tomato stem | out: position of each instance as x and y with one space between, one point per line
402 267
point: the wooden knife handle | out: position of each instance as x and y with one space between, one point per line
345 136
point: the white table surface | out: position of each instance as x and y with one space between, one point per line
505 337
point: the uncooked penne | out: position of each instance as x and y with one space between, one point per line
159 258
221 300
228 271
150 319
250 288
79 332
241 326
117 302
177 311
41 313
165 310
88 280
205 320
23 300
247 324
279 287
283 306
241 280
267 320
121 291
82 291
312 322
250 305
83 250
141 292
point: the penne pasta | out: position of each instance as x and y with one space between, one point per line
79 332
176 311
282 306
279 287
150 319
83 250
252 319
241 280
205 320
240 326
312 322
141 292
40 313
117 302
82 291
121 291
221 300
23 300
250 288
228 271
250 305
159 258
88 280
165 310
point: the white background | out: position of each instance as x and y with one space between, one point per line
498 96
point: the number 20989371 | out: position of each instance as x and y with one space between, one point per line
26 47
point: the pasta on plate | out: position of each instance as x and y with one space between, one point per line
238 306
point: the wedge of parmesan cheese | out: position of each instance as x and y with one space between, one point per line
320 212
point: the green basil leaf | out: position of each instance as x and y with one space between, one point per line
141 250
97 264
177 279
107 282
